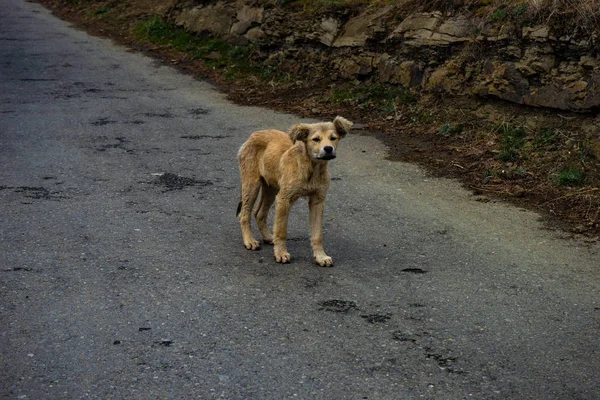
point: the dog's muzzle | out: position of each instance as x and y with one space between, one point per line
327 153
327 157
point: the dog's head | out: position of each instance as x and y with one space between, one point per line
321 139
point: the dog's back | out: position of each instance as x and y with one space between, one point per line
259 156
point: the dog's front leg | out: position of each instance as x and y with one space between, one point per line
283 204
316 205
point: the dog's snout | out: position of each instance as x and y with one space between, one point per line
328 149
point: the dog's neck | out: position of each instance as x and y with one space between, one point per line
318 167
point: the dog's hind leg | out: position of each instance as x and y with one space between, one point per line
267 197
249 193
283 204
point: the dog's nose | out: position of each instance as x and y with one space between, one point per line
328 149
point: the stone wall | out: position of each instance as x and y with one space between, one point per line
459 54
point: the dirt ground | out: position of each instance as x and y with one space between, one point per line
415 133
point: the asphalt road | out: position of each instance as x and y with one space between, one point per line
123 274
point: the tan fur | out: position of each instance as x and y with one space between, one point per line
281 168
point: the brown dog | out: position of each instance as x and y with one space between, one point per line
284 167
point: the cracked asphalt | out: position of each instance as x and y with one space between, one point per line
123 274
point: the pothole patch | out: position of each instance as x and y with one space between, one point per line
339 306
172 182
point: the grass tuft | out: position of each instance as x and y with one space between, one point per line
511 141
571 177
381 97
216 53
448 130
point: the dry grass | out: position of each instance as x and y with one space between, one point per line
584 14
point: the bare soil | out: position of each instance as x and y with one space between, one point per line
412 132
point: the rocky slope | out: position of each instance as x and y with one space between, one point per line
456 52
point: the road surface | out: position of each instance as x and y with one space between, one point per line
123 274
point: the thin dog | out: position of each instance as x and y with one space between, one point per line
281 168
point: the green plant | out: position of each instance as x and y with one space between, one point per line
422 116
520 9
571 177
447 129
102 11
499 15
377 96
511 141
214 52
545 138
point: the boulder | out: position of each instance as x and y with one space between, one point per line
538 59
502 80
361 28
255 35
328 30
444 78
547 96
591 101
431 29
216 19
540 33
246 17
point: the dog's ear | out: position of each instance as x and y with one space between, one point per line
342 126
299 132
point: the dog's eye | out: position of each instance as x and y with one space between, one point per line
316 140
333 138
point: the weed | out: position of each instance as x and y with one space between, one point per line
520 9
511 142
490 173
377 96
499 15
571 177
102 11
423 117
447 129
546 138
214 52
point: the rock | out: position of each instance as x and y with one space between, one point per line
457 29
255 35
577 88
329 29
366 65
595 146
589 62
407 73
548 96
442 78
216 19
348 68
386 68
430 29
539 32
518 191
540 60
592 97
504 81
417 22
246 17
361 28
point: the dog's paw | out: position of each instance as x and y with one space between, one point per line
252 244
324 261
268 240
282 257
